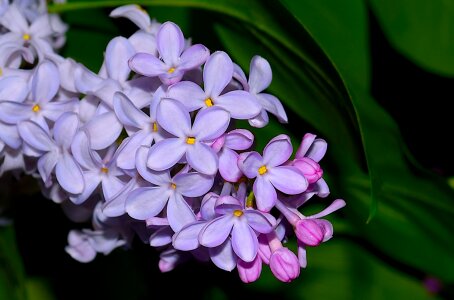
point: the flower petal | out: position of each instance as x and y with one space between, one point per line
162 237
217 73
127 155
317 150
239 139
228 167
188 93
127 113
13 88
46 165
223 256
12 112
277 151
265 194
240 104
118 52
193 57
260 75
273 105
193 184
179 213
147 65
288 180
53 110
69 174
165 154
249 163
35 136
45 82
173 117
210 123
103 130
187 238
306 143
215 232
144 203
91 182
65 129
244 240
202 158
134 14
258 221
170 43
337 204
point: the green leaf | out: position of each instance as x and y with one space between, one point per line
12 275
421 30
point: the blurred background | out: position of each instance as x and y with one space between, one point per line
373 78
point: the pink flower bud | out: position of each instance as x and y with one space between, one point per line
249 271
312 232
310 169
284 265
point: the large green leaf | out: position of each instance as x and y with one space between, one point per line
421 30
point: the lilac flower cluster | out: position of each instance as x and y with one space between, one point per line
148 146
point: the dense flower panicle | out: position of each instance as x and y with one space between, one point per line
148 146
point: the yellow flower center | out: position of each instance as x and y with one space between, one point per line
262 170
26 37
36 108
208 102
1 71
104 170
155 127
190 140
237 213
173 186
171 70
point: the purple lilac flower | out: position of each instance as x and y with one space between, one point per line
217 73
55 153
270 173
189 140
173 62
226 145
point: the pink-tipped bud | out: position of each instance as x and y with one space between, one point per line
312 232
284 265
310 169
250 271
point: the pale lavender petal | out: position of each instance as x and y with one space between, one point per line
45 82
10 135
265 194
46 165
118 52
258 221
13 20
337 204
277 151
217 73
173 117
35 136
239 139
288 180
134 13
244 240
210 123
13 88
116 205
144 203
260 75
249 163
193 57
202 158
317 150
165 154
111 185
80 148
302 255
144 42
127 156
41 27
106 90
170 43
306 143
216 231
274 106
53 110
147 64
65 129
238 74
240 104
85 80
103 130
193 184
69 175
187 238
169 78
260 120
228 167
207 206
162 237
189 93
223 256
79 247
179 213
91 182
127 113
12 112
158 178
